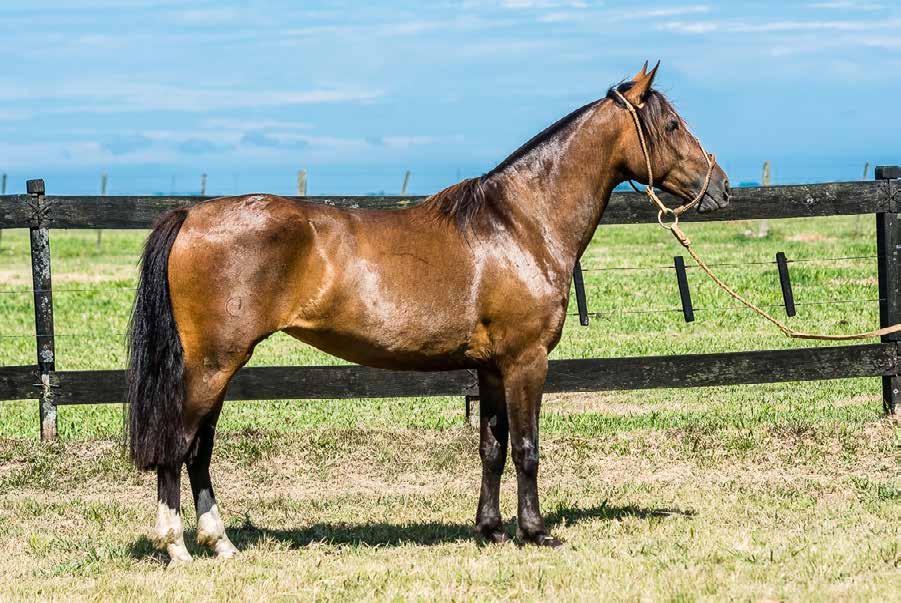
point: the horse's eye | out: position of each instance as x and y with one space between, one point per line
672 126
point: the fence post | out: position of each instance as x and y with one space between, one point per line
2 192
43 305
302 183
469 401
888 246
103 181
581 300
403 188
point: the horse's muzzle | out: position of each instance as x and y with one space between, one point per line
717 196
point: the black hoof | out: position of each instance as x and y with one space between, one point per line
492 534
540 539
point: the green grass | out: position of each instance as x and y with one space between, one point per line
783 491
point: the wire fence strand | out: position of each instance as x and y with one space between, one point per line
735 264
614 312
584 269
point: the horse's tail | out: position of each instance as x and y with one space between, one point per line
156 364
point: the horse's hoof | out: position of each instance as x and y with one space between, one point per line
541 539
492 535
178 554
226 552
549 541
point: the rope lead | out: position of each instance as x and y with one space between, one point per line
683 239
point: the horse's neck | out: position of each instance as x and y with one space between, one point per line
560 188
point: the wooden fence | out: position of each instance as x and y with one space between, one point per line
40 212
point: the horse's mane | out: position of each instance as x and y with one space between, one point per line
464 201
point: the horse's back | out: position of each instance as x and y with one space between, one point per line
375 287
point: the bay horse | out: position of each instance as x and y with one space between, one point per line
477 276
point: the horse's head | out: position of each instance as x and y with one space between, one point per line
679 165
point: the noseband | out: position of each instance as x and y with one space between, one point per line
649 189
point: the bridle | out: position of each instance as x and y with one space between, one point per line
663 210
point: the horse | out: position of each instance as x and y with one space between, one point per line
477 277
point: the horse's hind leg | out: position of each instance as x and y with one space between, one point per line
169 527
204 391
210 527
210 364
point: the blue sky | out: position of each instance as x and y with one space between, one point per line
155 92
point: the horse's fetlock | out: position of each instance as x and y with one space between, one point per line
169 527
210 527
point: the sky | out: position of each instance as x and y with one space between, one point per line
156 92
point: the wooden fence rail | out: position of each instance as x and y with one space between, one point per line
39 213
797 201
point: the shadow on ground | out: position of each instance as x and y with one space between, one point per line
391 534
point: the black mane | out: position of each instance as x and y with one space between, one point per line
549 132
463 201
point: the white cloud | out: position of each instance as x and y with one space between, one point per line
174 146
533 4
791 26
630 15
688 27
846 5
885 43
118 97
208 16
670 12
263 124
701 27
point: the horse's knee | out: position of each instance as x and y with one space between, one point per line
494 456
525 457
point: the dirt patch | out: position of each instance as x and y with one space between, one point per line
809 237
609 403
102 274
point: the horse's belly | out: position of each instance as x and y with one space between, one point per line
393 348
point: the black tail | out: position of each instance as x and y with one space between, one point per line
156 364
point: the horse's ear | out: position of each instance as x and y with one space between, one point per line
642 73
641 85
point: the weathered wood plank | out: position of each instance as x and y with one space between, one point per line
582 375
15 212
733 368
276 382
140 212
19 383
796 201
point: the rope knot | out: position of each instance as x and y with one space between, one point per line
680 236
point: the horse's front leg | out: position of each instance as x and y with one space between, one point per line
493 438
523 379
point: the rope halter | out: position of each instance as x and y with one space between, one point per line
663 210
673 227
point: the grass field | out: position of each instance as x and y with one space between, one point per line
786 491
